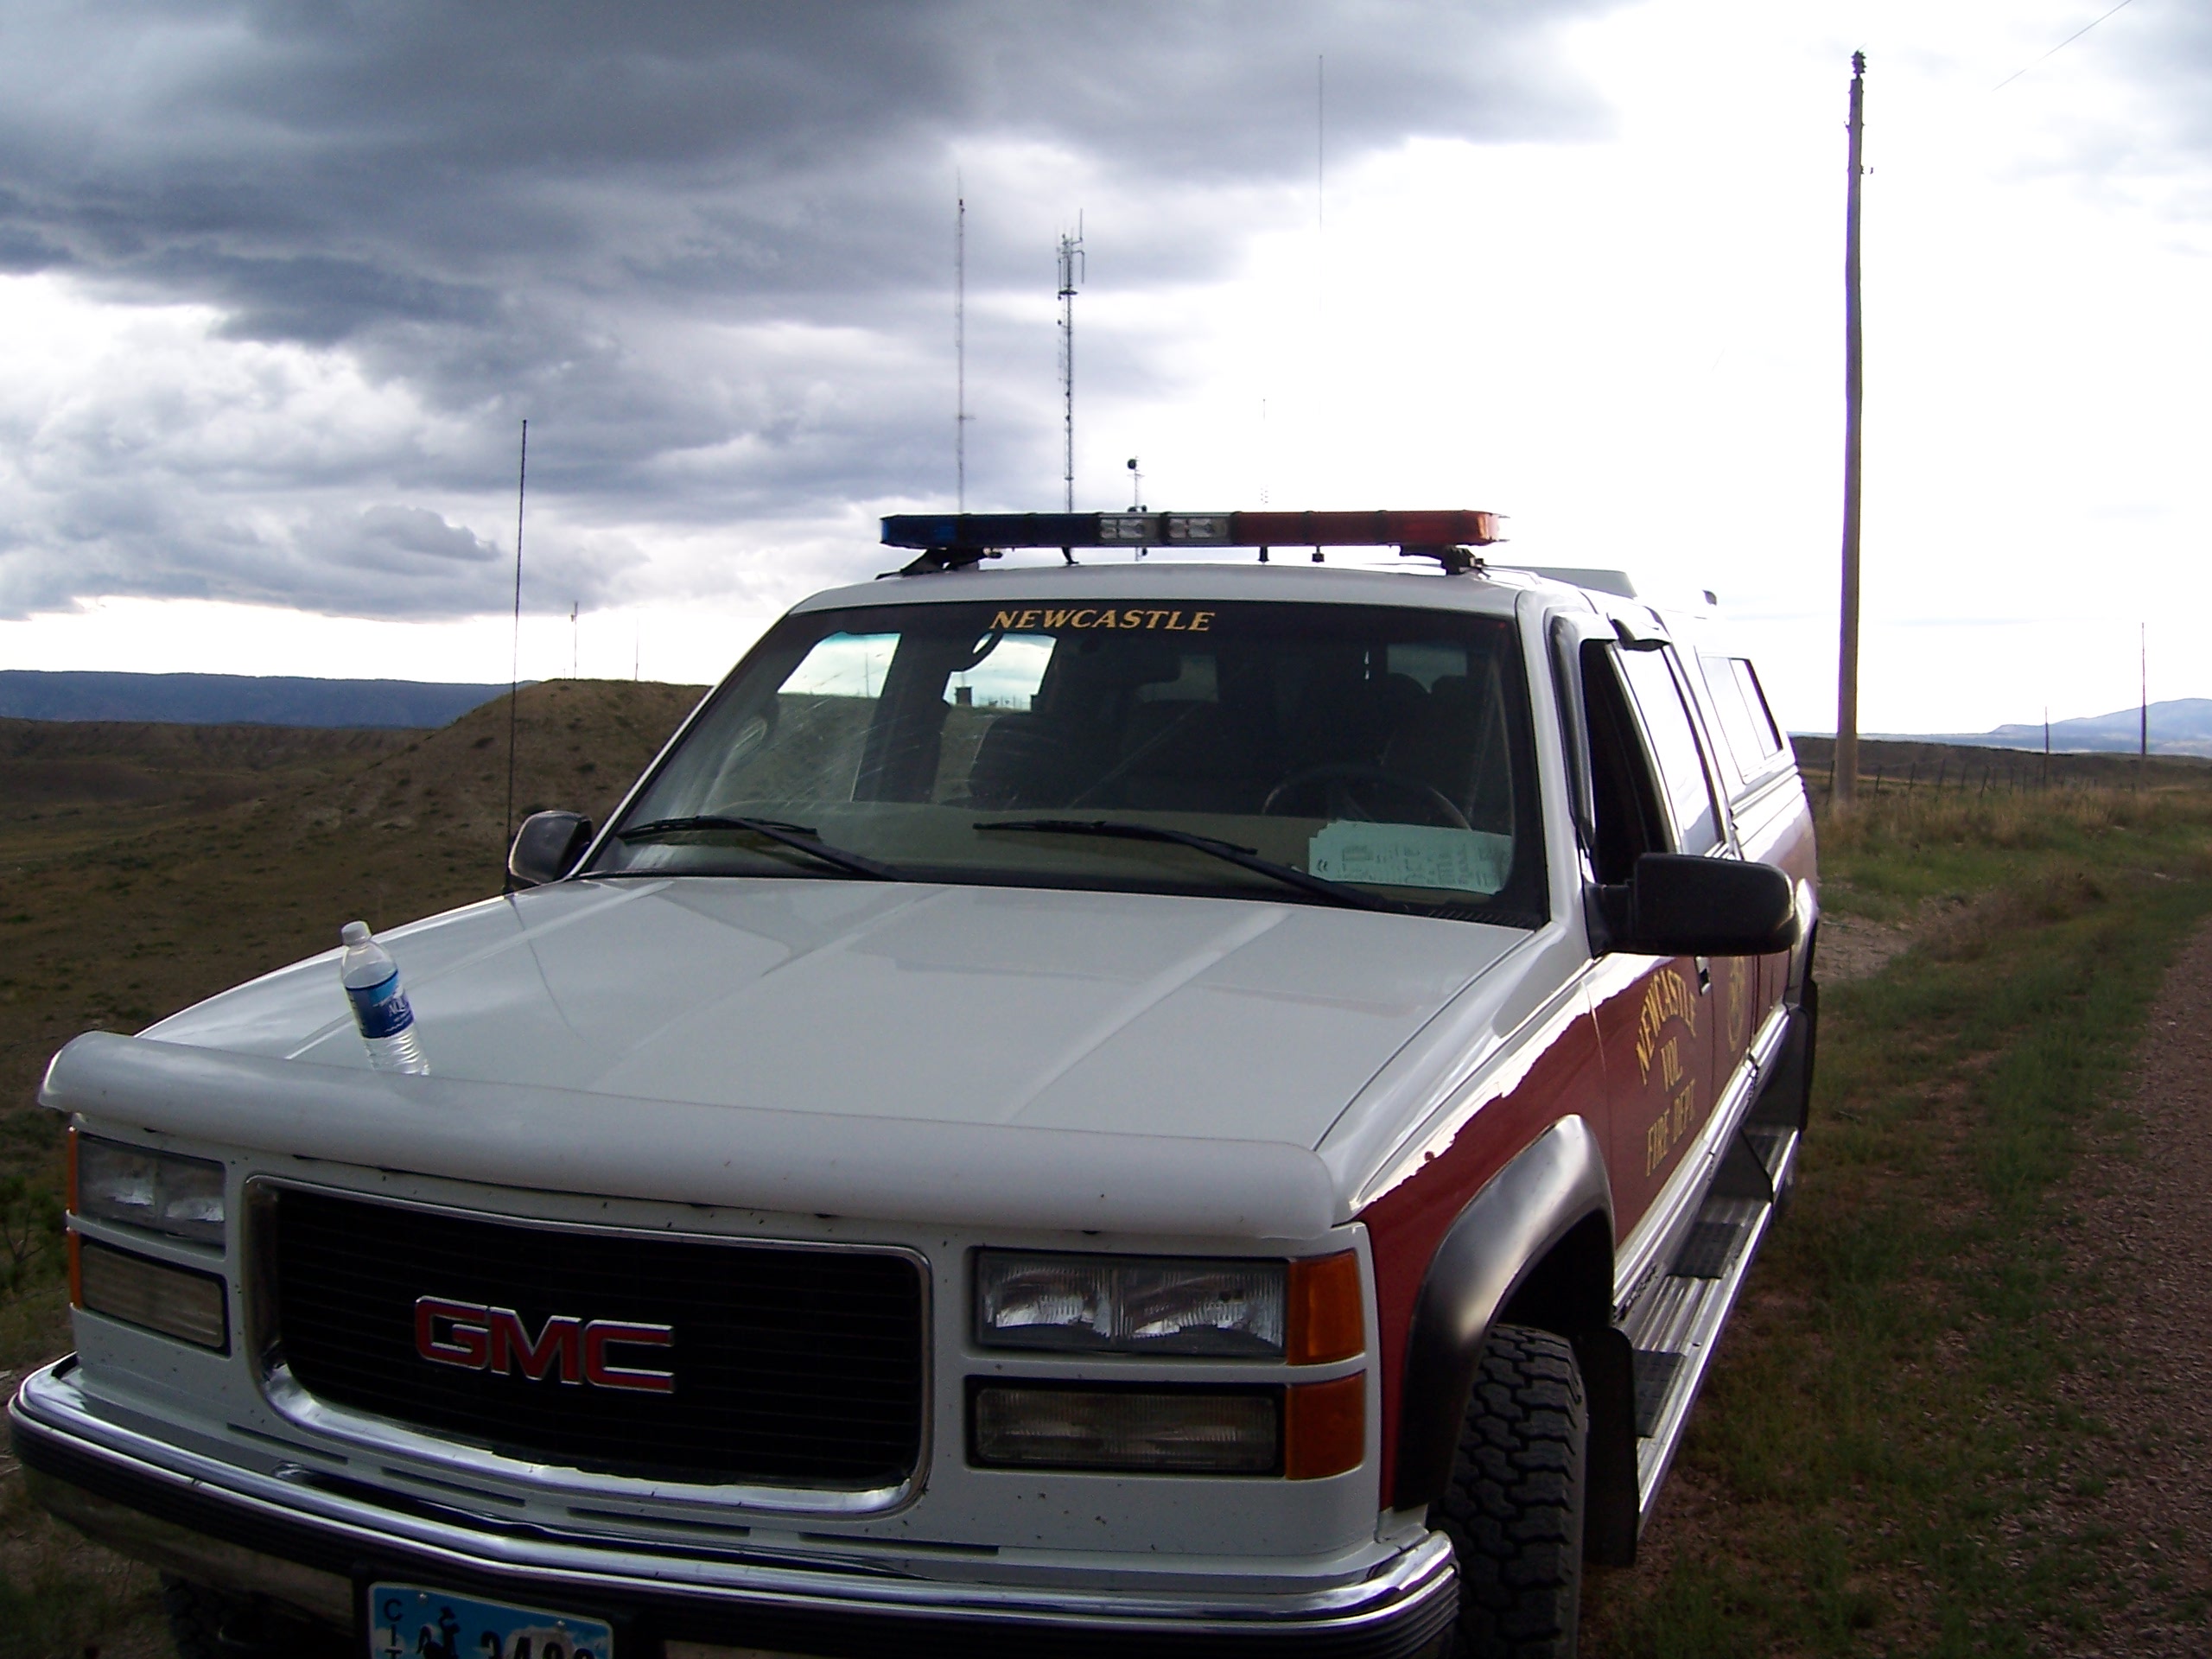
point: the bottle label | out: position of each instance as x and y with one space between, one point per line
381 1010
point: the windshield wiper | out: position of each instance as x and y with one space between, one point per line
797 837
1336 892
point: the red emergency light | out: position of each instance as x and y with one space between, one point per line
948 541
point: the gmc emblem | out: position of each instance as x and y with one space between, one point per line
478 1338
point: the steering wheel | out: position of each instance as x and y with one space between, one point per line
1338 795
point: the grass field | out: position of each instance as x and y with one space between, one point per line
1871 1467
1865 1472
144 868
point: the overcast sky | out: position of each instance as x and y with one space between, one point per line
278 285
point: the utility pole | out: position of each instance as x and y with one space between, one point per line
1844 788
2143 642
1071 262
574 605
2046 746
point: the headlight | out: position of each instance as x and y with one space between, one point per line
1130 1305
1305 1432
1185 1431
175 1301
137 1187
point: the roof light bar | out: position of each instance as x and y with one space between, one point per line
951 540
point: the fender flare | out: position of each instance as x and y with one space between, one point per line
1552 1185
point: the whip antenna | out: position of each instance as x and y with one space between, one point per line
514 672
960 415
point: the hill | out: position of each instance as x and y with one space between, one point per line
146 867
2178 726
235 699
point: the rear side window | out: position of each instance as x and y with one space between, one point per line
1674 747
1763 727
1744 747
1752 740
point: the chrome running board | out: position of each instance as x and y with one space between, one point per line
1676 1321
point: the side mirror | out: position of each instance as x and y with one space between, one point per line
1673 906
547 847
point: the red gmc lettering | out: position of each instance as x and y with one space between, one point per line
603 1334
465 1344
561 1340
471 1337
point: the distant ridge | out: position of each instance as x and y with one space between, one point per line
2179 726
235 699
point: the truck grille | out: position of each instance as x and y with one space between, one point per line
791 1366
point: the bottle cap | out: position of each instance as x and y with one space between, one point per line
354 933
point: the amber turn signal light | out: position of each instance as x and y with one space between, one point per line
1328 1319
1324 1427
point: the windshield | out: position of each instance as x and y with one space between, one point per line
1382 748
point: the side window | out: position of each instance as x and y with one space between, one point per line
1674 747
1768 734
1624 801
1726 692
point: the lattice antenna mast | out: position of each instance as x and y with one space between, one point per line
1072 270
960 417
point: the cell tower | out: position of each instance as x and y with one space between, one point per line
1071 263
960 417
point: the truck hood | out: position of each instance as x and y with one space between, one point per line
1120 1014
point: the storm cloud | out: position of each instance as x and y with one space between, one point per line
337 253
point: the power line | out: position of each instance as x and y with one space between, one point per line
2061 46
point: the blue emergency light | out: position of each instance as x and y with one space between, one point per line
952 541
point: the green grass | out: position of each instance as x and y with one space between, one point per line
1865 1472
1873 1459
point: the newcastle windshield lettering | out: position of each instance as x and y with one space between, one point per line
1092 616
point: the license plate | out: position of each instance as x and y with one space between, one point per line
407 1621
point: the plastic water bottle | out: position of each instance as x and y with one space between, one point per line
380 1010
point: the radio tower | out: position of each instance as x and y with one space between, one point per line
1071 262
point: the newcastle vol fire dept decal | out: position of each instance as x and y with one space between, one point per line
474 1337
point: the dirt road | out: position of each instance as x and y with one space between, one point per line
2142 1237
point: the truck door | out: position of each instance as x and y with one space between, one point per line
1656 1016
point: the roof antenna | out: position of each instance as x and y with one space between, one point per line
961 417
1071 261
514 676
1136 496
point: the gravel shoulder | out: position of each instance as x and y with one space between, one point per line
2139 1239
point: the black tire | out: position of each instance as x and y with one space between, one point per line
207 1624
1515 1506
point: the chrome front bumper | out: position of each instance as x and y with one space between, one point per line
308 1542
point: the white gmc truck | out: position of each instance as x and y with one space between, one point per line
1125 1106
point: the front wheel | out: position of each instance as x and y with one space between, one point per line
1515 1506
